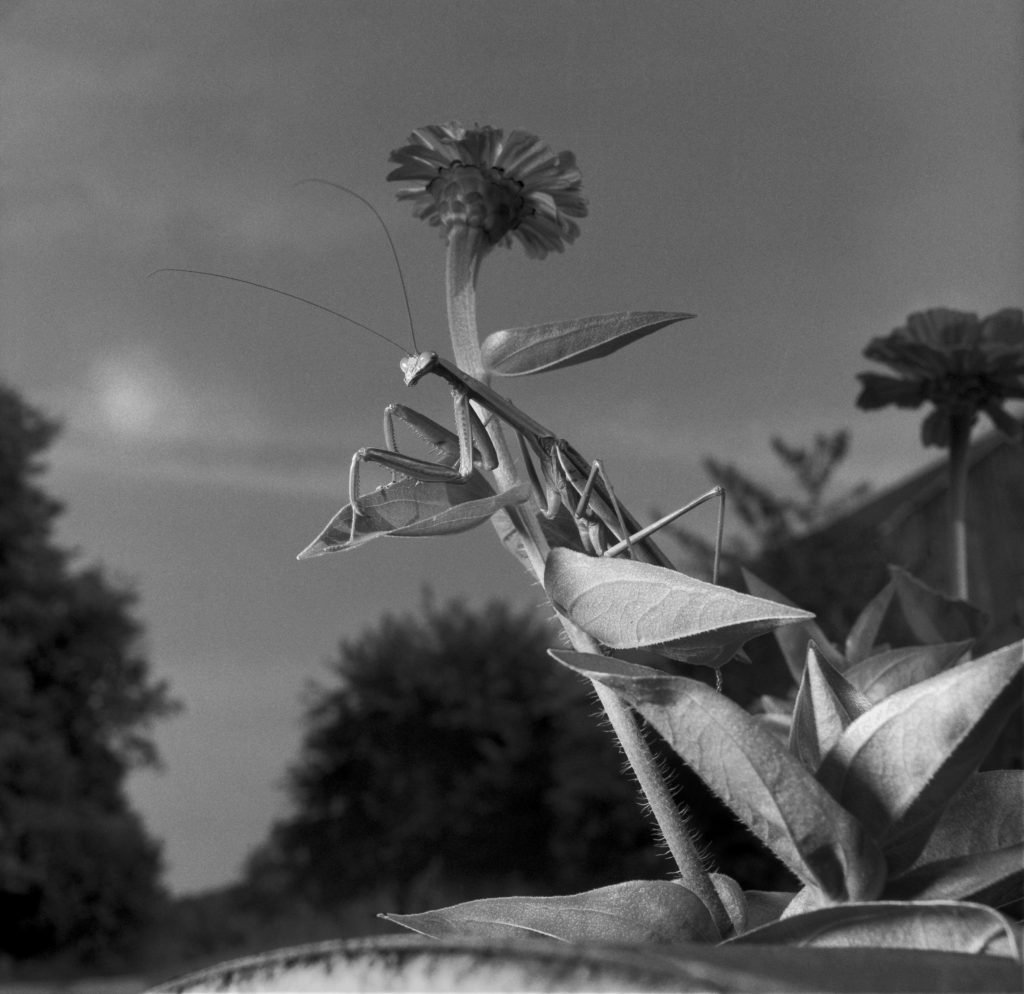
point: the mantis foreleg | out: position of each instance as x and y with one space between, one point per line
460 453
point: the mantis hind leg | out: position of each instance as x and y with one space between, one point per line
594 526
715 493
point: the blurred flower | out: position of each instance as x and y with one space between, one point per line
507 187
956 361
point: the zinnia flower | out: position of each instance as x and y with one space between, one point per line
507 187
958 362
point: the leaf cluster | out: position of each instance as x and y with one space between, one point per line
868 791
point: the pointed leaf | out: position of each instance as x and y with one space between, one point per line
413 508
865 629
986 814
946 926
793 639
415 963
825 705
931 615
627 605
465 515
898 765
852 701
751 771
992 878
649 911
884 673
539 348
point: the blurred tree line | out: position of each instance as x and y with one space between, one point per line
79 874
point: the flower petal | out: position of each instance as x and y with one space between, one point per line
514 188
881 391
1005 422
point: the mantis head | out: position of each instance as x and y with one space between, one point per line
415 367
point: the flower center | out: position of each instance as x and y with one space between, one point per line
963 393
479 197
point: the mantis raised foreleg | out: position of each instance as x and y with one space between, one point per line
565 477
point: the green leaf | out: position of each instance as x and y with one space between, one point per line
462 516
992 878
986 814
931 615
415 963
946 926
825 705
648 911
412 508
899 764
751 771
886 672
542 347
864 630
628 605
793 639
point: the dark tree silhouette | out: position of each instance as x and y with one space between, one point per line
448 758
449 748
79 876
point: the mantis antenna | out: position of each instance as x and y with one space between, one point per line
387 234
283 293
312 303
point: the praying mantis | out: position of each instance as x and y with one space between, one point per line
565 478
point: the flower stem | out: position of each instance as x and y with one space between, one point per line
462 264
959 443
692 874
465 251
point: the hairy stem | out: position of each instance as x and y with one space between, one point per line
465 251
692 874
959 442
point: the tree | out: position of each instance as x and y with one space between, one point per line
450 748
449 756
79 876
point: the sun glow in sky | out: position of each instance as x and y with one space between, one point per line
132 399
801 174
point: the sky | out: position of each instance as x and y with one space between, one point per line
800 174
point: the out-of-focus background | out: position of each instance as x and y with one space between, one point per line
801 175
